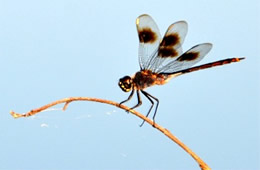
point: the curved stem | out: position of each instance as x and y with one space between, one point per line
166 132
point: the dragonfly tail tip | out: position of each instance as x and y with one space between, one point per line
242 58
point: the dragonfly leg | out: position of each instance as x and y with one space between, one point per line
156 107
129 97
145 94
139 101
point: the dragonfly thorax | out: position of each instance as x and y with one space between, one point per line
146 78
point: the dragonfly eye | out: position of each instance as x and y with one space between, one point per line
125 83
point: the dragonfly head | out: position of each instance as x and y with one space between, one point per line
125 83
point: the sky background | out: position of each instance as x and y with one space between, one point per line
55 49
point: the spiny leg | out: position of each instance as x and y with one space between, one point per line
157 104
139 101
129 97
146 95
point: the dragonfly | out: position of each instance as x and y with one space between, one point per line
161 59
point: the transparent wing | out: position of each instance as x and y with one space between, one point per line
188 59
149 39
170 47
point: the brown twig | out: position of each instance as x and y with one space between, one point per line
67 101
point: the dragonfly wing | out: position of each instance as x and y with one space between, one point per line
188 59
170 47
149 39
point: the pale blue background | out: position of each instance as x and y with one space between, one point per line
55 49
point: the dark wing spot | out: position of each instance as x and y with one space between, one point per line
170 40
146 35
189 56
166 48
165 51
